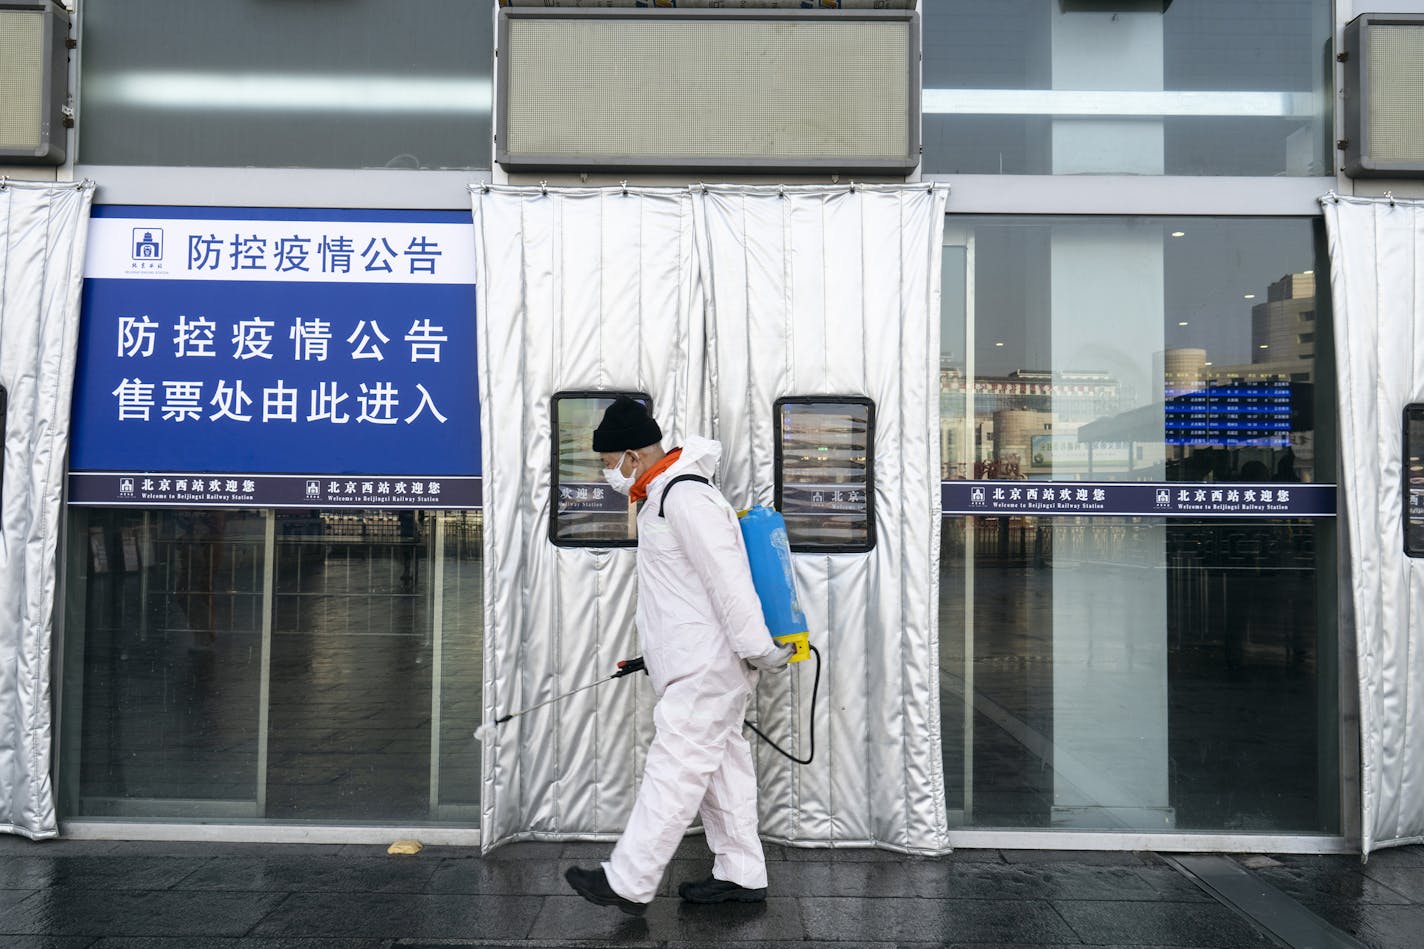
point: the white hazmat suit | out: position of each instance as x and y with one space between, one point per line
699 618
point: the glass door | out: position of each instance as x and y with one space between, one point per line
280 665
376 665
163 664
1137 582
350 680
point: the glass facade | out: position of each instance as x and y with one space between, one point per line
273 665
298 84
1211 87
1123 673
1138 673
1167 674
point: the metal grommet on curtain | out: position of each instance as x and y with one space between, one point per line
624 186
781 192
1389 195
544 188
4 182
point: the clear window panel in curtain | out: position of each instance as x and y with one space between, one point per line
1140 672
584 511
825 472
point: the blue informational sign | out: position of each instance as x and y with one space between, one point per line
1138 499
1242 413
255 357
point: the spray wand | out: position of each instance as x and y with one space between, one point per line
629 666
625 667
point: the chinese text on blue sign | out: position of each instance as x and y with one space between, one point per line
251 357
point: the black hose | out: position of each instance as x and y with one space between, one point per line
815 687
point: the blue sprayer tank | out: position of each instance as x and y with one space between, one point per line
769 553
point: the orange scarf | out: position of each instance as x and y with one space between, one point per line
640 487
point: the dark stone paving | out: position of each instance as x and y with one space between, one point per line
69 894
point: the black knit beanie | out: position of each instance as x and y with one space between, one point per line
626 425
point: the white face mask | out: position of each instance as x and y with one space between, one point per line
617 480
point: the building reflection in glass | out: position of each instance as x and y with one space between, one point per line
1137 673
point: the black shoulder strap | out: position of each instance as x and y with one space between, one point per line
687 477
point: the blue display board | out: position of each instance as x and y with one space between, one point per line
277 357
1244 413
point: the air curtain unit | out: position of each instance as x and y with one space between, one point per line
598 89
34 73
1384 96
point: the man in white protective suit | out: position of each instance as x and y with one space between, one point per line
703 641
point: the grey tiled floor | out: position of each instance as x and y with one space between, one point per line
129 895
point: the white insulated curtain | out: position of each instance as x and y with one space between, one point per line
41 269
578 289
774 291
836 291
1377 289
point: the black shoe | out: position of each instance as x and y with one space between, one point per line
593 886
713 890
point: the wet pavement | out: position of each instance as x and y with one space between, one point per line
81 894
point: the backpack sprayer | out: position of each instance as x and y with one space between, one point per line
769 556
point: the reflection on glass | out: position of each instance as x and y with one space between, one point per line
460 666
825 481
350 694
1239 731
1215 87
249 83
163 663
1139 673
1137 350
586 512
